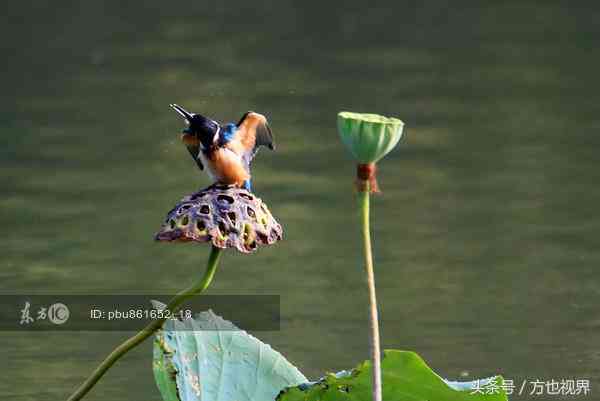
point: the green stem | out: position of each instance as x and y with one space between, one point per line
132 342
364 197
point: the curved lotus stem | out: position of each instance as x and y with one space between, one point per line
132 342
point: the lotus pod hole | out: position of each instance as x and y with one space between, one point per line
226 216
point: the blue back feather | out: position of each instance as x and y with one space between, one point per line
227 134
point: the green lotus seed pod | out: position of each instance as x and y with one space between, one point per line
369 137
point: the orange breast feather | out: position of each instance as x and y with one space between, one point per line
190 140
227 167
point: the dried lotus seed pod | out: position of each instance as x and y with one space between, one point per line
226 216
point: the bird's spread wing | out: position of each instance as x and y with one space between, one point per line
253 132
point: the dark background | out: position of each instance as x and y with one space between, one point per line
486 236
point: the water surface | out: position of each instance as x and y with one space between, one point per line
486 236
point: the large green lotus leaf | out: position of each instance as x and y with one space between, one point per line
164 372
209 359
406 377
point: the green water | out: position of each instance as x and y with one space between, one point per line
486 236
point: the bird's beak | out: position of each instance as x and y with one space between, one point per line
182 112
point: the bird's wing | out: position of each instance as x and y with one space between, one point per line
193 146
252 132
194 150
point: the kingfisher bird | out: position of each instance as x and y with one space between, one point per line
226 151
